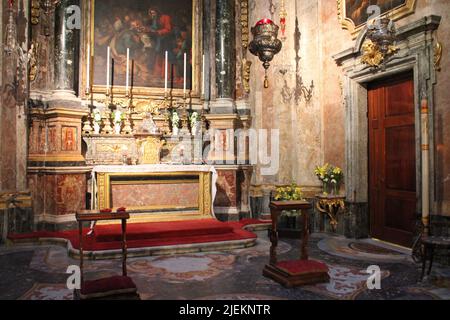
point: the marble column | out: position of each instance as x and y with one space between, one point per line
66 49
225 57
207 50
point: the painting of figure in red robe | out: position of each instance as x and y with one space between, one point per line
356 10
148 28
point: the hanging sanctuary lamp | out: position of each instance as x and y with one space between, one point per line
265 44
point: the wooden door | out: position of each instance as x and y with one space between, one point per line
392 160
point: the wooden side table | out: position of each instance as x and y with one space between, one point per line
107 286
294 272
331 206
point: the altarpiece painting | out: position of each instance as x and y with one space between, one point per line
148 28
353 14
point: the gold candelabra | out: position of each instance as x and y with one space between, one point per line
184 116
107 128
87 125
127 123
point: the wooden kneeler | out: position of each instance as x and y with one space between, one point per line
293 273
115 287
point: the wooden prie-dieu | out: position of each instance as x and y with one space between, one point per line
291 273
120 287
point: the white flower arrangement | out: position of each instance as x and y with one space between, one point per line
194 118
175 119
117 117
97 116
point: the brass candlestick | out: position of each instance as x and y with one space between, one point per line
166 104
127 123
87 125
184 118
107 128
108 97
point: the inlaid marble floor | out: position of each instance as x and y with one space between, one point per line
39 272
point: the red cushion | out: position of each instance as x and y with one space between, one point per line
107 287
298 267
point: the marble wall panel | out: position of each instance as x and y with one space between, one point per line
155 195
70 193
57 194
227 195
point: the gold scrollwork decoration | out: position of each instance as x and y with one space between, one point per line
246 68
372 56
35 11
244 24
331 207
206 193
151 149
245 38
437 56
109 148
139 105
33 62
151 106
101 183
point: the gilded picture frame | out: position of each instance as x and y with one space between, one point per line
352 14
139 90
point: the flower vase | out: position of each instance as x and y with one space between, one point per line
326 188
175 131
117 128
195 129
336 188
96 128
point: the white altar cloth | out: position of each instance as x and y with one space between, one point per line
153 168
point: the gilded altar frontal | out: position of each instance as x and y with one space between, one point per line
227 150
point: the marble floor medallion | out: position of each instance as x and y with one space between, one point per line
47 291
184 268
364 250
372 249
345 282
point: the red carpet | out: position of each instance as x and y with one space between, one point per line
152 234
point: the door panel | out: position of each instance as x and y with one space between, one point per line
392 159
399 165
399 96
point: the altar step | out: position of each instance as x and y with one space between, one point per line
153 238
163 231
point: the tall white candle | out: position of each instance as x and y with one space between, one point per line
203 75
88 68
184 82
128 69
166 72
108 68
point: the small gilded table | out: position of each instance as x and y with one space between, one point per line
293 272
330 205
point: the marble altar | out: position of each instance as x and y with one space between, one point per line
159 192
